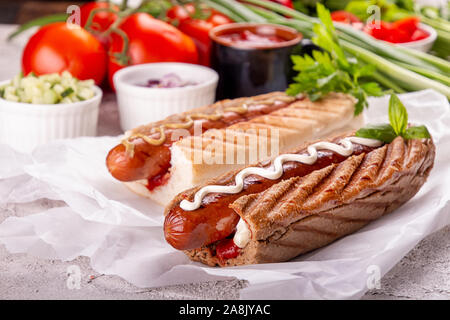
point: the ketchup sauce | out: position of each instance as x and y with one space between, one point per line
227 249
252 38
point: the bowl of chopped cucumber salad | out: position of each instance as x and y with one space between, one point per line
37 109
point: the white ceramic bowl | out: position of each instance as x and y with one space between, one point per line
140 105
25 126
423 45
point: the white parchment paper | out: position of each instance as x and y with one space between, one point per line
122 233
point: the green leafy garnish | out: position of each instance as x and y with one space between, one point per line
382 132
398 118
419 132
331 70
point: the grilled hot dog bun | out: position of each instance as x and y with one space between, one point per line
301 214
300 121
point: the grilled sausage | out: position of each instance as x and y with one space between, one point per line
214 220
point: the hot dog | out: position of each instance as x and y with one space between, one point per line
310 205
149 161
215 220
158 160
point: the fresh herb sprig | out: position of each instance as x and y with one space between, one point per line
398 125
331 70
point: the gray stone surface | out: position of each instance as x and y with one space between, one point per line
423 274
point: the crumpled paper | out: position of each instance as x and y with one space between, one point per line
122 233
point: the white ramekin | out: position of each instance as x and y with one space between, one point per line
25 126
423 45
140 105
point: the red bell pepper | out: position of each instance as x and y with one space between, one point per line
408 25
287 3
344 17
419 34
400 31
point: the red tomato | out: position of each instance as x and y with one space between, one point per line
101 20
150 40
344 17
218 19
57 47
199 29
180 13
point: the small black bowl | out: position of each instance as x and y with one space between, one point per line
248 69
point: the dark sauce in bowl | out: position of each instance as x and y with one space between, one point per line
253 58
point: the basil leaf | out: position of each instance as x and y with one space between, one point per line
419 132
382 132
398 116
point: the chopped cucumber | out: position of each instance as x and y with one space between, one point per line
50 97
47 89
67 92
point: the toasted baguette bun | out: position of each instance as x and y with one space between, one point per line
195 159
304 213
217 107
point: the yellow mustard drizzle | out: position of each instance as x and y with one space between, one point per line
189 121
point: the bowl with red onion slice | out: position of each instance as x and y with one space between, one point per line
170 80
151 92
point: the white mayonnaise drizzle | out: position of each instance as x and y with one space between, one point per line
344 148
242 235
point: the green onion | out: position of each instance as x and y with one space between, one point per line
240 9
300 26
385 81
427 73
362 39
442 64
383 48
267 14
38 22
229 13
406 77
281 9
397 68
